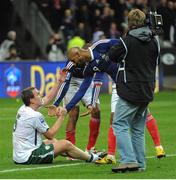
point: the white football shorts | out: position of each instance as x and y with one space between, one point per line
75 84
114 98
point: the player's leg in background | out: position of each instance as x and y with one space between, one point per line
152 127
94 126
110 158
74 113
111 136
94 123
71 124
111 142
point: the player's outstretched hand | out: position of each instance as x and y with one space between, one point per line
52 110
62 75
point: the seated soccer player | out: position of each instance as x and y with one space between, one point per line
30 126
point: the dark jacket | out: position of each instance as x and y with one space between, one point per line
137 55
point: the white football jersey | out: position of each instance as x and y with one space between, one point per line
27 135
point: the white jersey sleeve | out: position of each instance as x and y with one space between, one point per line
41 124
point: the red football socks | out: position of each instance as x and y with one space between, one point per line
94 126
111 141
70 136
153 129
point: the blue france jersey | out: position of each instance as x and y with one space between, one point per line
72 72
95 68
99 49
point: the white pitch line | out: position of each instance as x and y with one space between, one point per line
63 165
167 155
43 167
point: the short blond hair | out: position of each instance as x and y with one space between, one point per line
136 18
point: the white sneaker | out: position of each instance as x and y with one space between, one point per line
93 157
93 150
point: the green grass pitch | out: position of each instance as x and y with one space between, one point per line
163 109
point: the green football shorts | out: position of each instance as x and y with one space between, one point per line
42 155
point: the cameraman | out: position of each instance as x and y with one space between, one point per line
137 55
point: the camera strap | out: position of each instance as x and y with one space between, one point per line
156 38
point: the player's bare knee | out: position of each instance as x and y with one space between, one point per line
74 110
111 118
68 145
73 114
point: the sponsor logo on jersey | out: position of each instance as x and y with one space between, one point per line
47 147
68 76
96 69
97 61
41 119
